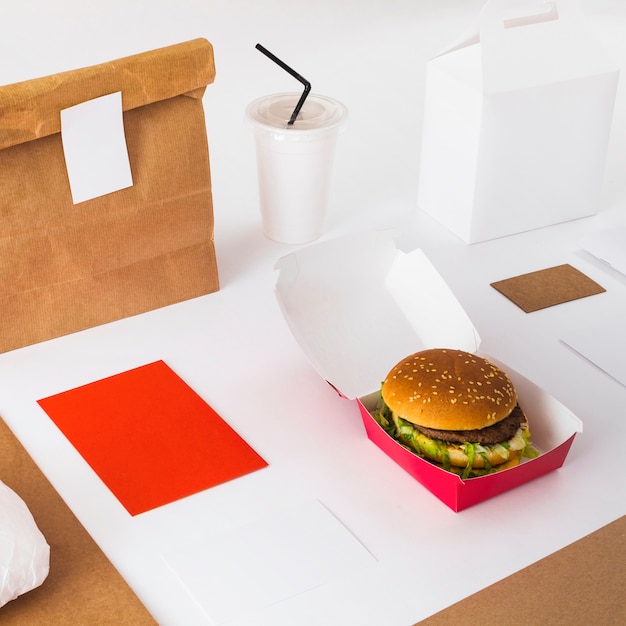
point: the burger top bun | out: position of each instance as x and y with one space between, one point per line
449 390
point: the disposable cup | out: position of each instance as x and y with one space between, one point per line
295 162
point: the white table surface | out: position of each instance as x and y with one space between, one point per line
234 348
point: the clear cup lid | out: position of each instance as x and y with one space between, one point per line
317 113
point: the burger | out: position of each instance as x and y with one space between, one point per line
455 409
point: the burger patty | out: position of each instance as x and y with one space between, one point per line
502 431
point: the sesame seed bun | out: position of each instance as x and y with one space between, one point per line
449 390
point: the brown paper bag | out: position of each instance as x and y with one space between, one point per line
65 267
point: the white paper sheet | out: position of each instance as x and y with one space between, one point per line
609 246
268 561
604 344
95 149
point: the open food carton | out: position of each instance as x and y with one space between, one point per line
358 305
517 120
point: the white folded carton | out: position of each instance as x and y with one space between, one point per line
517 118
358 305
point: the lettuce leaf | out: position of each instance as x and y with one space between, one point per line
412 439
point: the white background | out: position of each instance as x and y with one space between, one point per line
234 348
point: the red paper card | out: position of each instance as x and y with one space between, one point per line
150 437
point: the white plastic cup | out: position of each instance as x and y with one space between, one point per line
295 162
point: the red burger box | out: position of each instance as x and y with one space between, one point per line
358 305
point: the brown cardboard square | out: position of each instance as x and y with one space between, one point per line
83 586
547 287
65 267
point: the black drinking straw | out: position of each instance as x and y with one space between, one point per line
304 81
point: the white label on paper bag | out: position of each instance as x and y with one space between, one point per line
95 149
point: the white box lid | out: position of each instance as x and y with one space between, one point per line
527 43
358 305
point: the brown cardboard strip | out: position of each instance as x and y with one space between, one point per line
83 586
547 287
579 585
